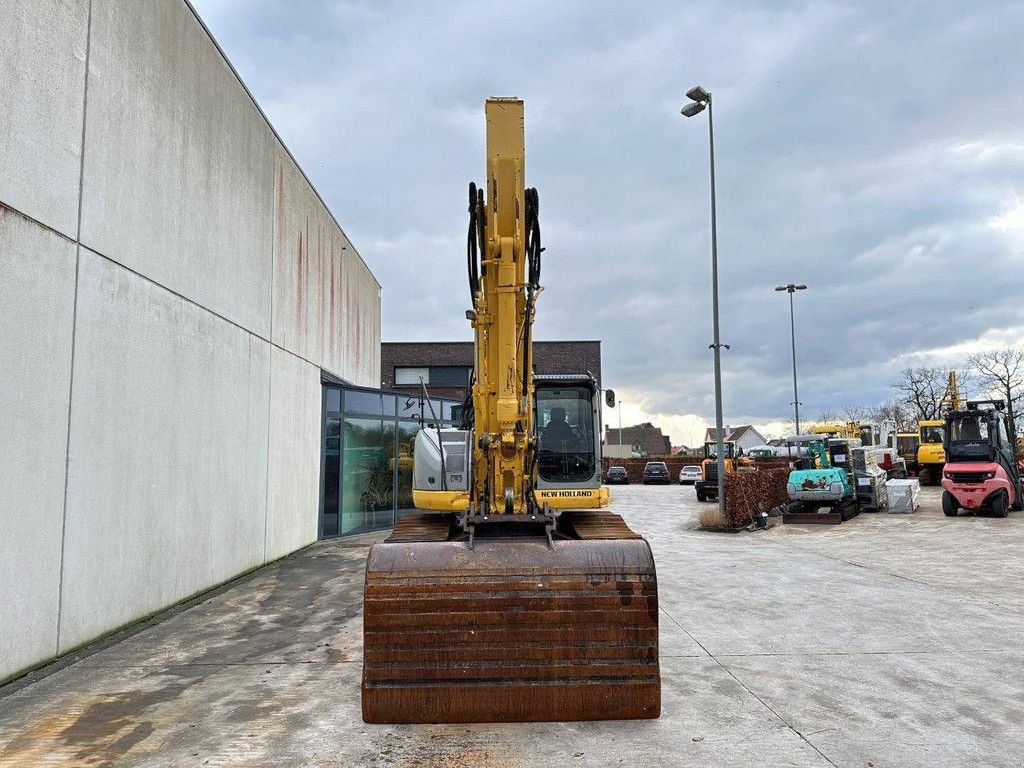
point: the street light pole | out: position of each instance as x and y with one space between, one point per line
620 425
702 99
791 289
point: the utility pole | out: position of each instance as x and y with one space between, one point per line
702 99
791 289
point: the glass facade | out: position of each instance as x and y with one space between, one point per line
367 448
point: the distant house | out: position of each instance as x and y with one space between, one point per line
645 438
744 436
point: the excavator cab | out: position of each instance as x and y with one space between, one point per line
511 596
567 412
931 456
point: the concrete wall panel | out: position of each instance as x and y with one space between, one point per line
294 473
360 354
322 288
179 164
168 452
37 292
42 81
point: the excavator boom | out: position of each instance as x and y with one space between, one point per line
491 605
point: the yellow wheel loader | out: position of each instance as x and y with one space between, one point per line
511 595
707 486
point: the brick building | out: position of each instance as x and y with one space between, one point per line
446 365
646 437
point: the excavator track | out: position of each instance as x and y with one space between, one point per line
514 628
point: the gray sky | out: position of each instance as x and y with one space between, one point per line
874 151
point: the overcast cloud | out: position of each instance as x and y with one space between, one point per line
872 151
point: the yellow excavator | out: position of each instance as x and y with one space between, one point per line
510 595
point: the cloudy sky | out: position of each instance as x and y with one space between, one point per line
874 151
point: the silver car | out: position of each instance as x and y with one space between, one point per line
689 475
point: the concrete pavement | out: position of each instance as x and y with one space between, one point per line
887 641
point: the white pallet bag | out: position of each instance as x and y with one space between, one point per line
904 495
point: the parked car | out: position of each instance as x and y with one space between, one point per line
689 474
617 476
656 472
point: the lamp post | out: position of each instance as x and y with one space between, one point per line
701 99
620 424
791 289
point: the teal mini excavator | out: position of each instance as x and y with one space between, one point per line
820 486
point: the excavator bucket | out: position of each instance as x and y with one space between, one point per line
513 628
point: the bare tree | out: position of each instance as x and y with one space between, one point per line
855 413
897 412
826 417
923 389
1001 373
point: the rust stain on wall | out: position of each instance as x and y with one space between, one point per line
331 312
299 287
319 330
280 238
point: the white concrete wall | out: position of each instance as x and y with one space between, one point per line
294 480
179 166
42 86
37 293
161 339
324 307
168 457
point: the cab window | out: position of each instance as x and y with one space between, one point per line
711 450
565 434
905 444
968 428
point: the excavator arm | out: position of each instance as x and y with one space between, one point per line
504 290
503 254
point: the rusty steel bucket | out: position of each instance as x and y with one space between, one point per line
512 629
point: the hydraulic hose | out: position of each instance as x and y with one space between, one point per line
473 239
533 251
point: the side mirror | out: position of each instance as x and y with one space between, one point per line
609 398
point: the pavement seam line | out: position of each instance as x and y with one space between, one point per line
764 704
769 708
685 631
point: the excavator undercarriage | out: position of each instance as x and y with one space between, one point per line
498 602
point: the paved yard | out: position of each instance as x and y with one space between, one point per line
887 641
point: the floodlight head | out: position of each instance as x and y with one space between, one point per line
697 94
800 287
691 109
781 287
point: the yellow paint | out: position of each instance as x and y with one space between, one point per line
504 412
440 501
930 453
850 429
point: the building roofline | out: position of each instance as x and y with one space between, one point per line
273 130
470 341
